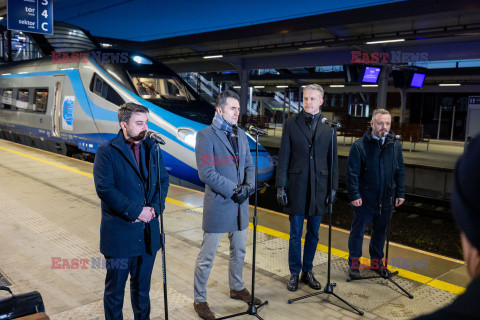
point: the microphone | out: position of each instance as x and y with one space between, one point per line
258 131
393 136
155 137
332 123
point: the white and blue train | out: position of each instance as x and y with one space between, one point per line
68 103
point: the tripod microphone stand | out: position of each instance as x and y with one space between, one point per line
162 233
252 308
384 272
328 289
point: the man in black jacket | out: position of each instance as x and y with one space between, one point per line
303 181
466 210
369 175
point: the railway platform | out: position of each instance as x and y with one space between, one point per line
50 216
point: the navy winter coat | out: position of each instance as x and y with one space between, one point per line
124 189
369 172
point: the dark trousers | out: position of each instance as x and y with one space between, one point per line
295 243
355 241
140 270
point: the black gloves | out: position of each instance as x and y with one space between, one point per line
282 197
334 197
241 193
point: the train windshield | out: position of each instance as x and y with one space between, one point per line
162 88
172 94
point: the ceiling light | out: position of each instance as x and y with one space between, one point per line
237 87
282 86
385 41
337 85
369 85
213 57
449 84
259 87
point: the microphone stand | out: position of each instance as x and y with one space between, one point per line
384 272
328 289
252 308
162 234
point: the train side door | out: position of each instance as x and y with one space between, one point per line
57 105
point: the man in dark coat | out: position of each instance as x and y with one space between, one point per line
303 181
126 175
466 210
369 174
226 167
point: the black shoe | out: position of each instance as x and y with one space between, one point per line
308 278
378 271
354 273
292 284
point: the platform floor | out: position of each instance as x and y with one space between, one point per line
49 209
440 153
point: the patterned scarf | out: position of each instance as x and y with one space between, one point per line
221 124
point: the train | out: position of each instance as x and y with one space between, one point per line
67 103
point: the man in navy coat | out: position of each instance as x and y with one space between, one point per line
132 194
369 174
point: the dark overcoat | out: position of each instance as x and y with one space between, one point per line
304 166
221 173
369 173
124 189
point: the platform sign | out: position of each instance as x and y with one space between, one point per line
473 117
30 16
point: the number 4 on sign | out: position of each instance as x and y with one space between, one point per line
45 14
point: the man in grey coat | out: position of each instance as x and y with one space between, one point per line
226 167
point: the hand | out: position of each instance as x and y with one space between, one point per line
240 194
147 214
357 203
399 201
282 197
333 197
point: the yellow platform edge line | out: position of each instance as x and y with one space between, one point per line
442 285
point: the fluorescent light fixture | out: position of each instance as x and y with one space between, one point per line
449 84
237 87
213 57
22 72
369 85
385 41
21 38
337 86
303 86
282 86
1 18
6 74
106 45
259 87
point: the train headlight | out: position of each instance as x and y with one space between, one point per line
188 136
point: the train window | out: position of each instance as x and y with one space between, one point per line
164 88
22 99
40 99
100 87
7 98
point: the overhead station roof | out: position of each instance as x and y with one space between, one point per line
443 29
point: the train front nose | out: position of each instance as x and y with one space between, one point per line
265 166
265 162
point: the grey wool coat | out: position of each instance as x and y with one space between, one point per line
217 168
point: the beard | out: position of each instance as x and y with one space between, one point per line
140 136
